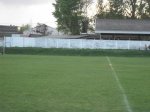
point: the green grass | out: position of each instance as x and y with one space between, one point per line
72 84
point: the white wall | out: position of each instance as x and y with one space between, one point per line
45 42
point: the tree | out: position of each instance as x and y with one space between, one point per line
100 7
147 9
138 9
113 10
25 27
42 28
101 10
69 15
116 9
133 9
72 16
142 10
85 19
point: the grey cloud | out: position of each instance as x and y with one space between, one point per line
25 2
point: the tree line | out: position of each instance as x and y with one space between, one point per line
124 9
72 15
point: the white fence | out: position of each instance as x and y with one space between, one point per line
1 42
45 42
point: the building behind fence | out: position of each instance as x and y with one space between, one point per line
45 42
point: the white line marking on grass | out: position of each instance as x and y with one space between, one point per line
125 99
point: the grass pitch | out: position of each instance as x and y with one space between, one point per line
73 84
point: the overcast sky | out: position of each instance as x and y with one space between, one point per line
18 12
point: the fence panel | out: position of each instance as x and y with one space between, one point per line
145 44
40 42
29 42
16 41
110 44
52 43
63 43
135 45
45 42
1 42
88 44
76 43
122 44
8 41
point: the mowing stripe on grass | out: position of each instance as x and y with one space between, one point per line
125 99
134 66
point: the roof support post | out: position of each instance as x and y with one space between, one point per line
100 36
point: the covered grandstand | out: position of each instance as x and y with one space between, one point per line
123 29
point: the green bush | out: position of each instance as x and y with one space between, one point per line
76 52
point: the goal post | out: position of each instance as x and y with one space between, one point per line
2 45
